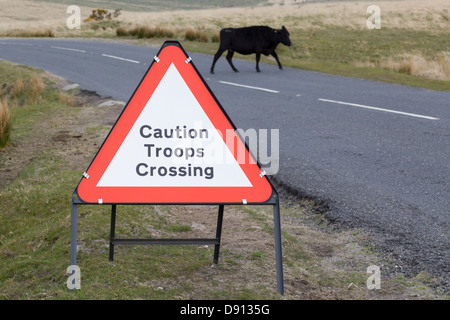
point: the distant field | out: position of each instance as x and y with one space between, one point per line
157 5
412 46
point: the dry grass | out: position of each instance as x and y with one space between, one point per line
5 124
28 90
145 31
22 91
215 37
122 31
35 89
30 15
417 65
412 14
39 33
67 99
18 88
196 35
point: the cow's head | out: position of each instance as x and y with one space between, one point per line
283 36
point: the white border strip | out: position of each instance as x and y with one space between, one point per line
17 43
380 109
119 58
249 87
67 49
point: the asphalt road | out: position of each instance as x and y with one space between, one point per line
376 154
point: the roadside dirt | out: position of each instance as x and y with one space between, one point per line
68 135
319 262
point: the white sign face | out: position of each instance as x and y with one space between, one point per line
173 144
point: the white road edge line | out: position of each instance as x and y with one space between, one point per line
380 109
16 43
249 87
67 49
119 58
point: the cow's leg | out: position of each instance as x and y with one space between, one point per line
216 57
258 57
229 57
274 54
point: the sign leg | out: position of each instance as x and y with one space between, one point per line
278 254
218 233
112 232
73 235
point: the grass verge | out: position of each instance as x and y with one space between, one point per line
413 58
5 124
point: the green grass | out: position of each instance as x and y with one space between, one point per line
10 72
33 228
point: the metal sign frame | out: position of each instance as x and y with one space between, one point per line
272 200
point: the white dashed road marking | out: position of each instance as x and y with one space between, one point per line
68 49
120 58
249 87
380 109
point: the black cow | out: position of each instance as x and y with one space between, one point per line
248 40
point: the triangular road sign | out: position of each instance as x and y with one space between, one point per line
173 143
